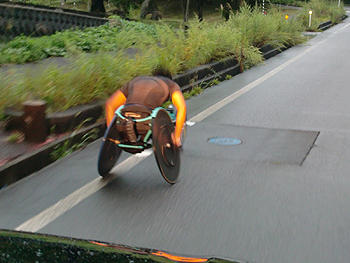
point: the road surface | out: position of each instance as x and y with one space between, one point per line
281 195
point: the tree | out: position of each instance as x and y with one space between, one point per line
97 6
150 7
125 5
185 4
200 4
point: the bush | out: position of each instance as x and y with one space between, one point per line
321 11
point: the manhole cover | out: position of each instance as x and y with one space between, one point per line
224 141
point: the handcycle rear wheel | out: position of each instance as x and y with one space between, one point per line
167 154
109 152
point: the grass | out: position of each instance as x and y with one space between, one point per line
15 137
67 147
103 60
322 11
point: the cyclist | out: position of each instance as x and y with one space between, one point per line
150 92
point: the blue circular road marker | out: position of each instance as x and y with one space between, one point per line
224 141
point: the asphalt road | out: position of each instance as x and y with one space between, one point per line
282 195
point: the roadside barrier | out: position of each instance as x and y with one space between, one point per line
17 19
325 25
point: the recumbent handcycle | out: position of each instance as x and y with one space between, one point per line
135 128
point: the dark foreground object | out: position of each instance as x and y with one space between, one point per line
28 247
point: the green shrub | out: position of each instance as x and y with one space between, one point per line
106 57
116 35
270 29
322 10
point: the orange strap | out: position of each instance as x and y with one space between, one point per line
113 103
180 104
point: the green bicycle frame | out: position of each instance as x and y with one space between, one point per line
148 135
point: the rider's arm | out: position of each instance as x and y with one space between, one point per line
180 104
113 103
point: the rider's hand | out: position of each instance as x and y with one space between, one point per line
176 141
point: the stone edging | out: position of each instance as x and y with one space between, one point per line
27 164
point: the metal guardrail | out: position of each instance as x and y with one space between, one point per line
17 19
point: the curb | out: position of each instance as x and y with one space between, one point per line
27 164
201 75
61 122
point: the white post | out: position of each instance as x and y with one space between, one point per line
310 13
264 7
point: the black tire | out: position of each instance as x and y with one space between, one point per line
166 153
109 152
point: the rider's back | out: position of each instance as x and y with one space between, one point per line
148 91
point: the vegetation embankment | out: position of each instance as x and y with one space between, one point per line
321 11
106 57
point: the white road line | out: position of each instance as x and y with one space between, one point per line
50 214
340 29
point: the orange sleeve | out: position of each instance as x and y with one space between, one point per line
180 104
113 103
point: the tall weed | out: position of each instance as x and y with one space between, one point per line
322 10
106 57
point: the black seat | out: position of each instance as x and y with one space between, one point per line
134 112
